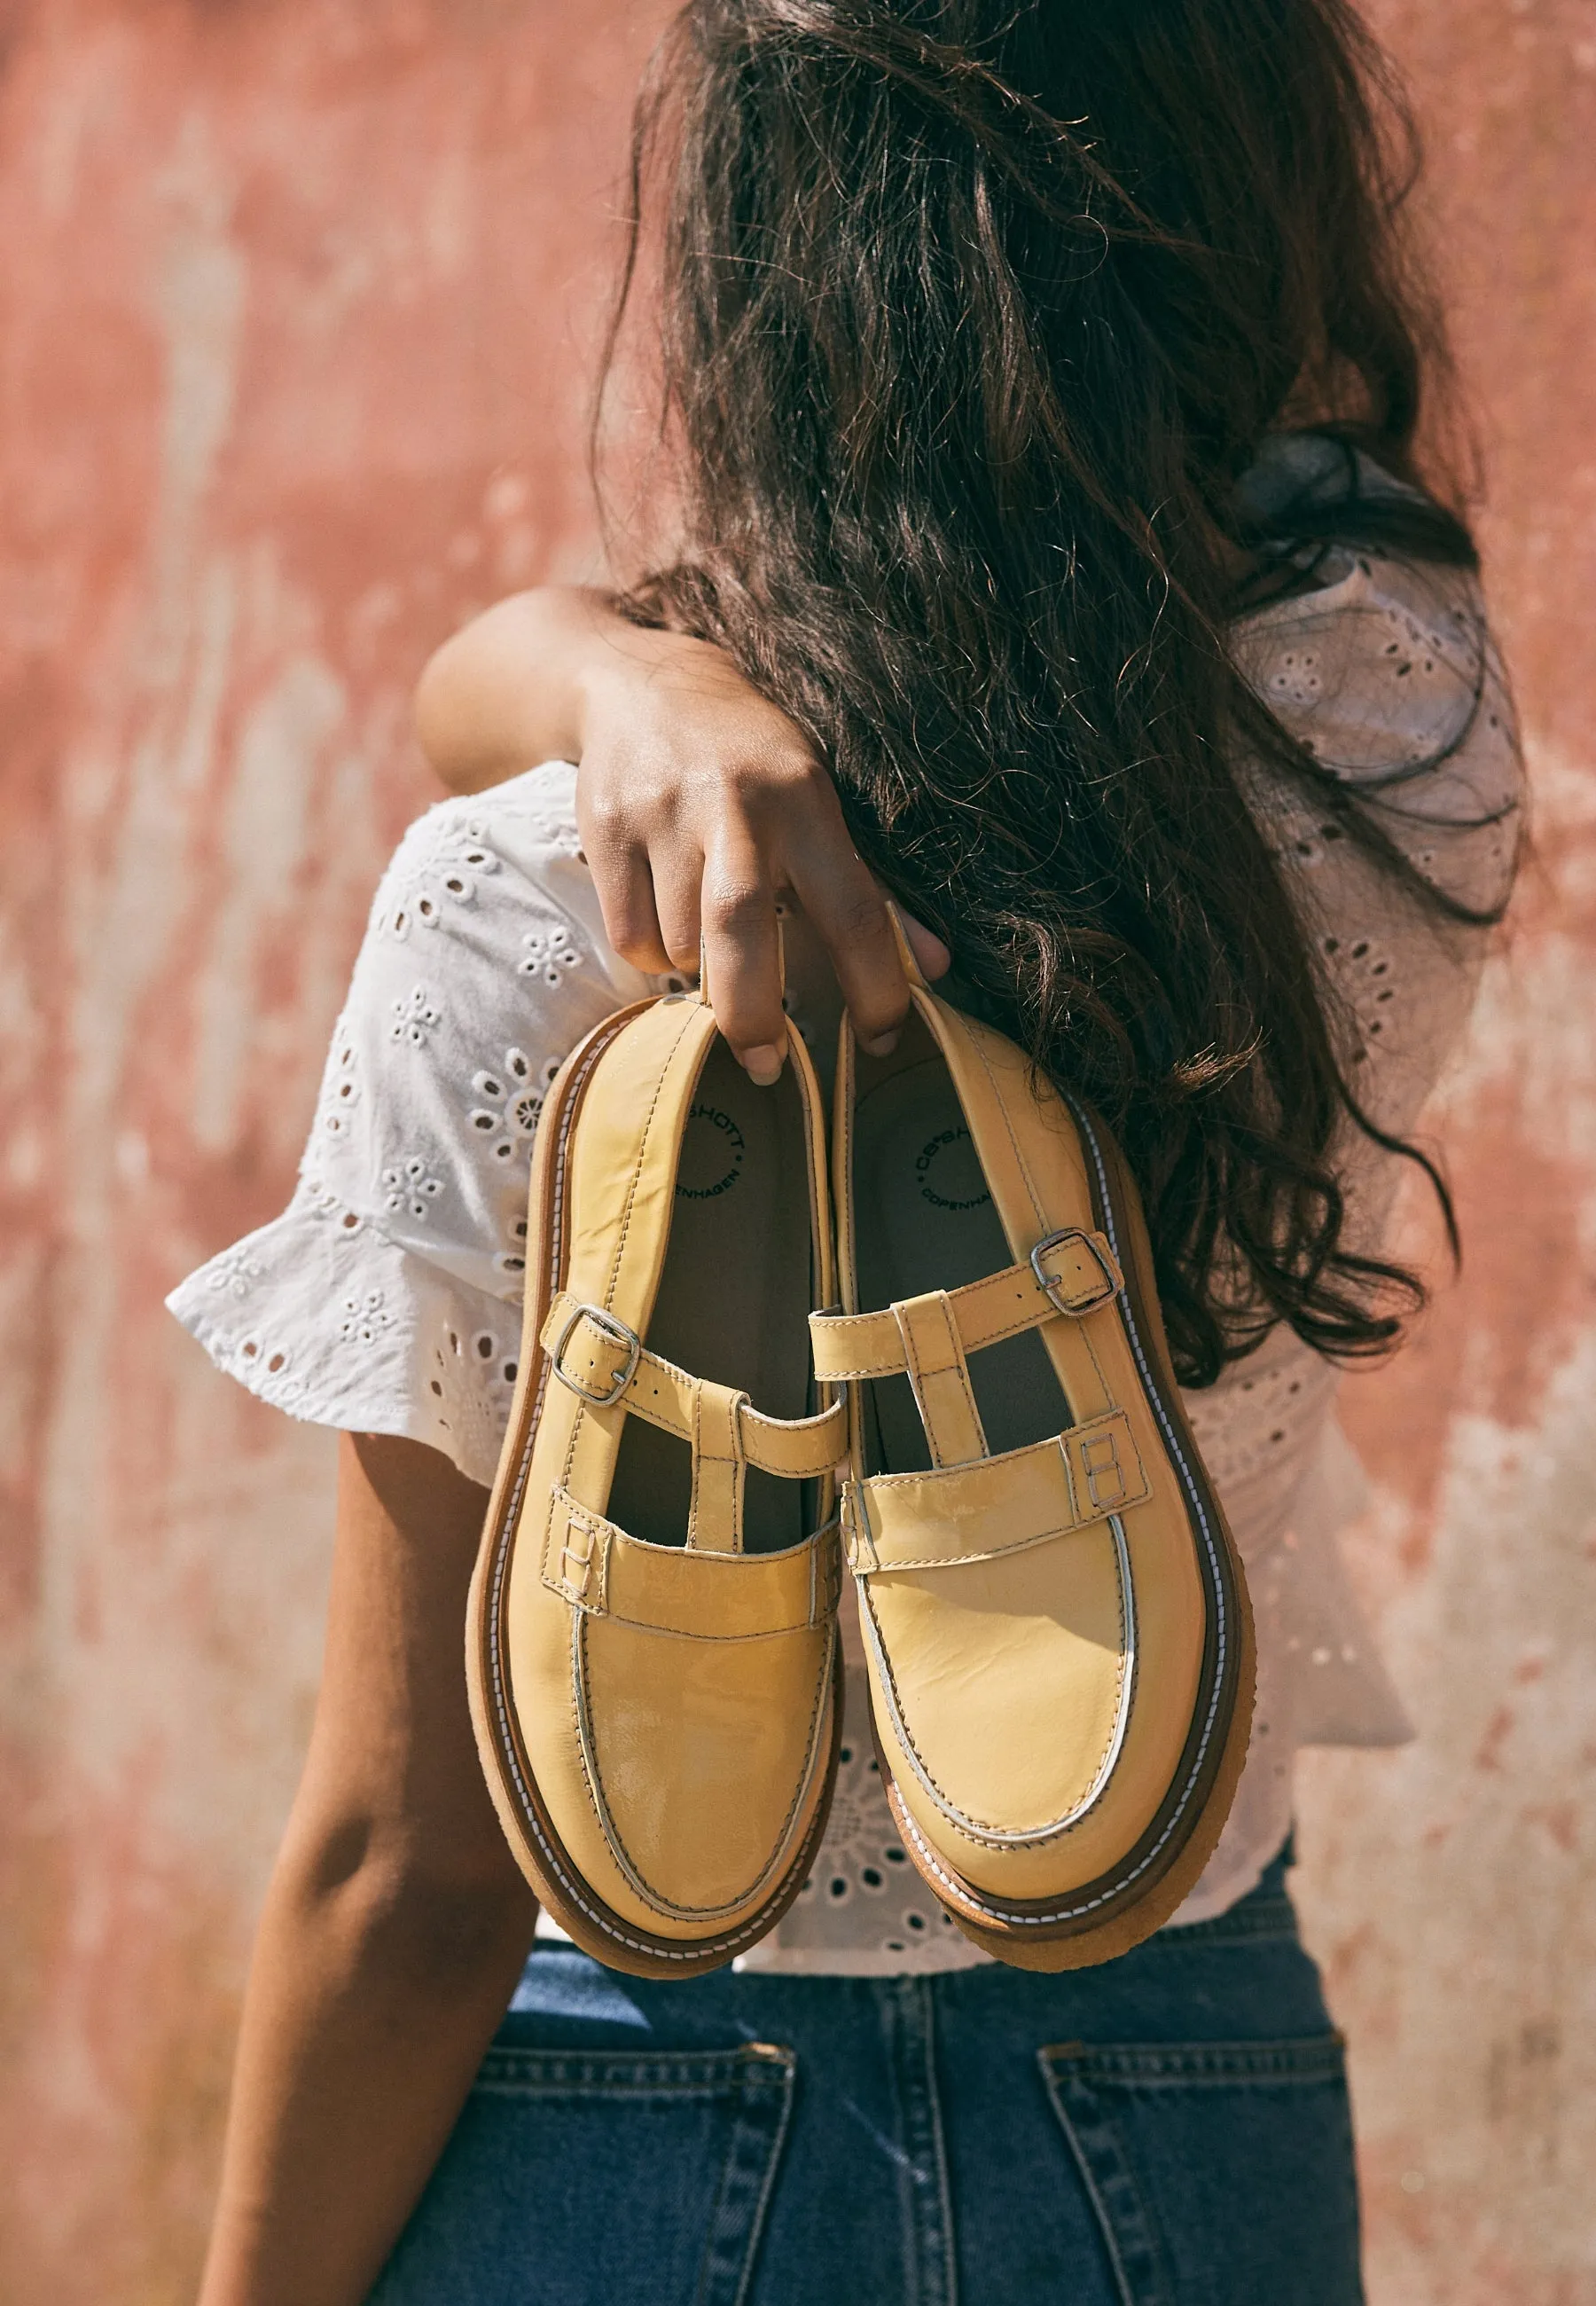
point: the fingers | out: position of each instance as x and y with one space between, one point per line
848 909
849 917
677 871
631 917
621 876
690 840
742 960
658 903
659 896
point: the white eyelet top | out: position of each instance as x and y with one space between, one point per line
387 1298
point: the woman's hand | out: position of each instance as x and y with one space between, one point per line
699 801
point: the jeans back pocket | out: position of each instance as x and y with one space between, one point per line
1221 2173
576 2177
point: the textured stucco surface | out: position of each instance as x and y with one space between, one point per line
297 306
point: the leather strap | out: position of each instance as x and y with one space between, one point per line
711 1596
906 951
593 1357
715 1509
1082 1274
940 1377
977 1512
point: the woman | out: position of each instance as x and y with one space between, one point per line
1050 542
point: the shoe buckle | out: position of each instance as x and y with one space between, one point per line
1052 1289
609 1326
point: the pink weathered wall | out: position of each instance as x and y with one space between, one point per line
1448 1889
298 302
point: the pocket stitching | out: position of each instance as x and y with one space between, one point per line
1153 2065
506 2072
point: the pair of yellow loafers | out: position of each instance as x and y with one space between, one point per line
940 1367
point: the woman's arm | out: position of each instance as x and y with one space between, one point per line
699 803
395 1923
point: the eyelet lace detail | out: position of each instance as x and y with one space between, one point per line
550 954
861 1863
440 870
509 1100
340 1087
365 1317
408 1186
470 1382
414 1017
233 1274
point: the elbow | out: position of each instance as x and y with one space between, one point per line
447 715
444 1915
477 706
442 728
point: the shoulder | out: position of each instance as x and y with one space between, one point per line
1388 675
1379 670
1383 664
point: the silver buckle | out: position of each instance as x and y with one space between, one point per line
1050 1287
608 1325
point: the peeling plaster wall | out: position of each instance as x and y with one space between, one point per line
1448 1888
298 306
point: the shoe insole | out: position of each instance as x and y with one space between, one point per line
923 1220
733 1302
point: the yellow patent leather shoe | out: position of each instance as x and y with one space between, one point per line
653 1647
1055 1620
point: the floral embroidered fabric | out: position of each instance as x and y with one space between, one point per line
387 1297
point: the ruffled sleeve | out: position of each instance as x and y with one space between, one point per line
1387 673
387 1298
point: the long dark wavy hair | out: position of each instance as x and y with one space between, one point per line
973 312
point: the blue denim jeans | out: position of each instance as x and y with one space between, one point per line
1169 2129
